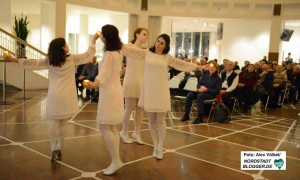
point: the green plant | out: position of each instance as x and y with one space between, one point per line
20 27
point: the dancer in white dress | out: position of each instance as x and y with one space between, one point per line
132 86
62 102
111 104
155 97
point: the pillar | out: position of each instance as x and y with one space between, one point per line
275 43
47 24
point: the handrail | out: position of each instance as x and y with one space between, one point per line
23 42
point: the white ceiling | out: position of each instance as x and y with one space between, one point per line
179 24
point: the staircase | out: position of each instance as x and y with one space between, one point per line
37 79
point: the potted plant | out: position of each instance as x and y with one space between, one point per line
21 32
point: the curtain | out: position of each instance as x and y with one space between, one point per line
133 25
154 27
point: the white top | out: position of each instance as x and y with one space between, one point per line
111 101
134 77
155 95
62 99
234 83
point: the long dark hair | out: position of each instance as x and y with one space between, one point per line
137 31
112 39
167 48
56 53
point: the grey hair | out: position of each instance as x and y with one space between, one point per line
297 67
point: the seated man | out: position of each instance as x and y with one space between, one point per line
78 72
230 80
266 80
279 83
90 71
295 87
208 87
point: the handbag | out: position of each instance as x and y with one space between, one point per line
259 89
221 113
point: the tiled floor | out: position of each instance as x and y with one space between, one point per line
206 151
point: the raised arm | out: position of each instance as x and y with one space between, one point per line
133 52
32 64
88 55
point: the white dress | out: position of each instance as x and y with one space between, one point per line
111 102
155 95
62 99
134 77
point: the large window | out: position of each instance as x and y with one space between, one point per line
194 43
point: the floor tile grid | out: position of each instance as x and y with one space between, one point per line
279 144
41 154
236 131
209 162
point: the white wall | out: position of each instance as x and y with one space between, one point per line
293 46
95 24
245 40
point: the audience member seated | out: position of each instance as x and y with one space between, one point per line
230 80
90 71
245 89
236 66
279 83
295 87
289 73
257 69
222 67
266 80
208 87
78 72
246 64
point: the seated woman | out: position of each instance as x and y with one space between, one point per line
245 89
279 83
208 87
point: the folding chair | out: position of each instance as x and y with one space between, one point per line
191 85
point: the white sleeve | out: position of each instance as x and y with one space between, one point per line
106 68
234 84
84 57
133 52
34 64
180 65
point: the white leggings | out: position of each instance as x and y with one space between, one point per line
56 133
130 104
112 141
159 118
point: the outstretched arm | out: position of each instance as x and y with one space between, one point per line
182 65
88 55
130 51
32 64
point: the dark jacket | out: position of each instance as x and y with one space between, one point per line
213 83
296 80
229 79
267 82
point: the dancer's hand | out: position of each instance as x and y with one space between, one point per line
89 84
8 57
95 37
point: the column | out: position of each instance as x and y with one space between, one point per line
47 24
275 43
5 15
83 38
61 18
143 19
